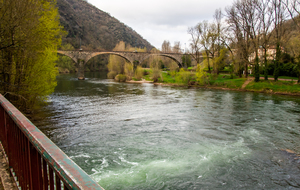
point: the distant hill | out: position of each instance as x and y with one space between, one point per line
97 29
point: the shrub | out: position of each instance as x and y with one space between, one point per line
111 74
156 74
129 71
184 76
139 73
120 78
201 75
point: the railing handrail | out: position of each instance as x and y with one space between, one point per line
69 171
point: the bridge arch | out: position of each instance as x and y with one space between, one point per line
177 60
109 53
86 56
68 54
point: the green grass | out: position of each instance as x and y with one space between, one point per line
167 78
280 77
148 77
286 77
226 81
279 86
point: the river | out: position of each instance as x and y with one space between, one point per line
143 136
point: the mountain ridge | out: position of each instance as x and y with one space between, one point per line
91 28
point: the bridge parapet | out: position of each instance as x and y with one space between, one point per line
35 161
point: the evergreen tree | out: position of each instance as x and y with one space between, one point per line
186 61
256 69
276 62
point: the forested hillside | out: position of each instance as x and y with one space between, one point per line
97 29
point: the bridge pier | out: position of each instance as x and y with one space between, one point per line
80 69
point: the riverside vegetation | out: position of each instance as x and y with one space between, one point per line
201 79
30 34
163 71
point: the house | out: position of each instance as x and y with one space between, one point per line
271 53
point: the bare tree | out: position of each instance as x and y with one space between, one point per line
207 40
176 48
195 43
252 15
232 39
213 47
266 19
280 15
293 8
218 20
239 25
205 35
166 47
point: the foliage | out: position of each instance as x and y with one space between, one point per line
156 72
146 72
64 62
111 75
139 73
115 66
184 76
256 72
276 62
67 47
41 78
186 61
128 70
256 69
121 78
29 33
220 60
202 77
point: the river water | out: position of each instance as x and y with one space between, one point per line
142 136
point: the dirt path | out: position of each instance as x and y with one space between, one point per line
247 82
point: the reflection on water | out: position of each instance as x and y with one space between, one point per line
141 136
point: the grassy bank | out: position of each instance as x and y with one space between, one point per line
288 87
189 78
179 79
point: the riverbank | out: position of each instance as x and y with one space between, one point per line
225 82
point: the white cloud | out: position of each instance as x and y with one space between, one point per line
159 20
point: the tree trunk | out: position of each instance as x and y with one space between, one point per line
256 69
208 65
277 59
246 70
266 65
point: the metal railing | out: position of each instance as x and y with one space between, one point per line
34 160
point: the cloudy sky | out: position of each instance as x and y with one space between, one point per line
159 20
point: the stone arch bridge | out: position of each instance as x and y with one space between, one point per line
82 57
